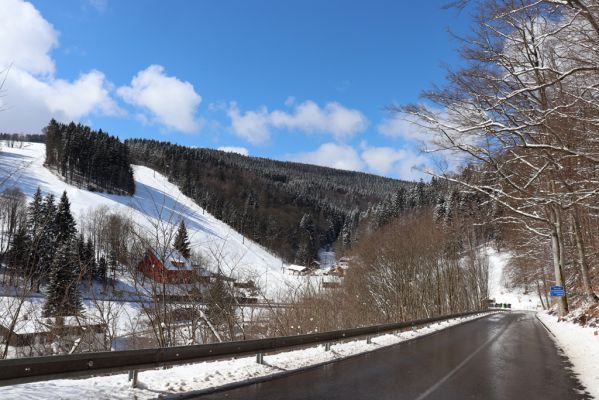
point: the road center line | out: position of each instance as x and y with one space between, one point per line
460 365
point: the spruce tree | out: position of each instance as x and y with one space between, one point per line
102 269
182 241
64 221
63 296
34 214
89 257
19 255
45 243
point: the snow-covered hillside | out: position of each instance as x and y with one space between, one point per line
500 288
154 198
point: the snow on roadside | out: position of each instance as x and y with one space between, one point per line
206 375
581 346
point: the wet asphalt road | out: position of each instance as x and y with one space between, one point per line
503 356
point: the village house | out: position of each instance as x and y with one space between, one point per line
168 268
296 269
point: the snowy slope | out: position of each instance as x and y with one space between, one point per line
154 198
501 290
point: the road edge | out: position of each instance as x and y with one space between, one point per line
276 375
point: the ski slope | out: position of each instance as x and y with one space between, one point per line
155 199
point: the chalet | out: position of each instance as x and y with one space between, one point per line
245 285
167 268
296 269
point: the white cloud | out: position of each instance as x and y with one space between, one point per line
404 163
31 102
98 5
251 125
170 101
307 117
400 127
27 38
382 160
32 95
332 155
234 149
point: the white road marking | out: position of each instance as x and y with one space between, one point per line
460 365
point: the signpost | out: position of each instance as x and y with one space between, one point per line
557 291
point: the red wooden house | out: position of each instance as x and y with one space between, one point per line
170 268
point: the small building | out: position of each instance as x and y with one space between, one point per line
167 268
343 262
296 269
46 336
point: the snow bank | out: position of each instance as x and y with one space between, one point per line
186 378
581 346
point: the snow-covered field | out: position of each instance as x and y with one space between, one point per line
581 345
200 376
154 198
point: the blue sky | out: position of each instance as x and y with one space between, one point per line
291 80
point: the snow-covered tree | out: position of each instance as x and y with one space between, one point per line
181 243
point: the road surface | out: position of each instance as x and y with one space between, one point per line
503 356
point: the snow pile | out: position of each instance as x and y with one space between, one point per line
154 198
499 288
186 378
581 345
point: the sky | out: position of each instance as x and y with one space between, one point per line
294 80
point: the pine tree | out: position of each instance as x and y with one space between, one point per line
181 243
19 255
63 296
64 221
102 269
45 243
34 214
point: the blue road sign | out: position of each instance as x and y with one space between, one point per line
557 291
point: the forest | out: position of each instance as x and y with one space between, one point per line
292 209
89 159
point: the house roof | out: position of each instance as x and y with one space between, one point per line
298 268
173 260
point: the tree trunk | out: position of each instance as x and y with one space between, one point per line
557 254
582 259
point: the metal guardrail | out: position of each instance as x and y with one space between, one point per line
32 369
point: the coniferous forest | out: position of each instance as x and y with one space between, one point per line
290 208
88 158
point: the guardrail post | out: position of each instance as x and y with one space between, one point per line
327 346
133 378
368 340
260 358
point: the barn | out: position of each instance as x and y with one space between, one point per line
167 268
